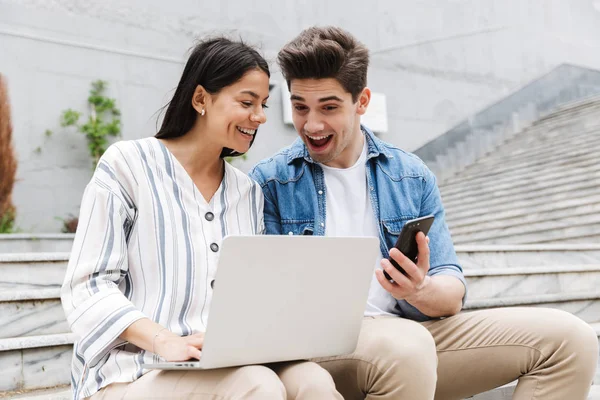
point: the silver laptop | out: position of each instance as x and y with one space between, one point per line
282 298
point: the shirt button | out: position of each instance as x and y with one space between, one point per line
214 247
209 216
212 284
322 223
291 233
320 192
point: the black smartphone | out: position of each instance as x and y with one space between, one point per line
407 241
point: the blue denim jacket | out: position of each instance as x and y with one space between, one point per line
401 188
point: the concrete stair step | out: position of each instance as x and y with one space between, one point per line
527 162
522 205
493 283
576 234
519 147
560 124
539 173
31 312
582 119
577 239
545 137
477 257
488 222
570 128
62 392
560 118
585 305
569 109
502 180
32 270
36 243
520 208
541 230
523 181
35 362
536 188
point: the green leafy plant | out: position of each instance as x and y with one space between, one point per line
7 222
103 122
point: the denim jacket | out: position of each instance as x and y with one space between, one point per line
401 188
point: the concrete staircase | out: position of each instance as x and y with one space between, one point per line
36 345
35 341
542 185
36 243
526 222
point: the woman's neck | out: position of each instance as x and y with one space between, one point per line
196 154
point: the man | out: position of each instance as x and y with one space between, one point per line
338 179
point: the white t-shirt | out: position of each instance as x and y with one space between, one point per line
349 213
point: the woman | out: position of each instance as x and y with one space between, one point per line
139 281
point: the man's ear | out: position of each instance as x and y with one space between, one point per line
199 99
363 101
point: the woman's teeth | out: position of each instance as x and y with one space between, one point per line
247 131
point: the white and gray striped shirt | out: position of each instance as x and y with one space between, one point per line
147 246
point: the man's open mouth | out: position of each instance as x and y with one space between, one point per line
319 142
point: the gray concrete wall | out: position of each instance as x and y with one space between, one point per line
438 61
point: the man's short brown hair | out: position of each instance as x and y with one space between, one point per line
326 52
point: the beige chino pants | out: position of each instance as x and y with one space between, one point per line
553 355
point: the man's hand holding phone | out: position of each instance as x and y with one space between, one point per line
406 287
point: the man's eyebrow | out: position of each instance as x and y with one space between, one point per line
328 98
321 100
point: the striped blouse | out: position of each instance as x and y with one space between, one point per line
147 245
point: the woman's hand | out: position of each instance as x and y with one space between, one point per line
179 348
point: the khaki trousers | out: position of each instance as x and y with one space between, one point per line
280 381
552 353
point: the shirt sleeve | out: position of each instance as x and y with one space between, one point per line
272 220
443 259
259 200
442 256
96 309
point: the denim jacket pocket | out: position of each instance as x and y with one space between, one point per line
297 228
392 229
